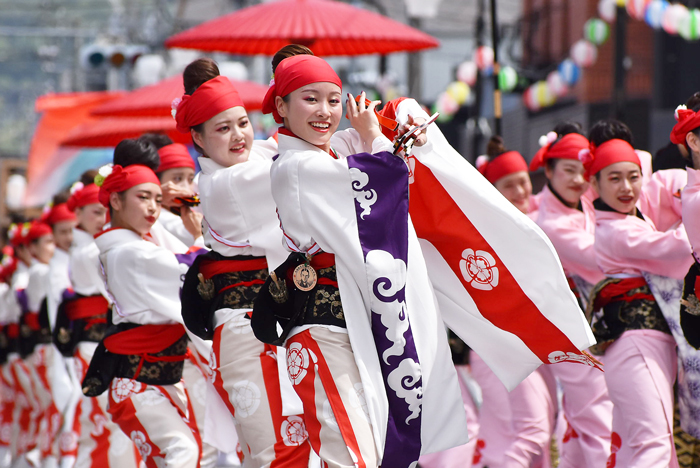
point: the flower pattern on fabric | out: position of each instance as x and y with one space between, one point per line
150 397
141 442
245 397
69 441
297 362
293 431
99 422
479 269
124 388
330 417
358 400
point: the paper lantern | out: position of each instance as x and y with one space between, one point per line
557 85
529 99
570 72
673 16
596 31
484 58
507 79
637 8
655 13
458 91
583 53
544 96
689 27
607 9
467 72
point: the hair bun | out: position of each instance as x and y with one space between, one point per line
199 72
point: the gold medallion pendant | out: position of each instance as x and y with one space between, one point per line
304 277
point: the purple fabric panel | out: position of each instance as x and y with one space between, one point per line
380 182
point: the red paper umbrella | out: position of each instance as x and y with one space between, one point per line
327 27
110 131
155 100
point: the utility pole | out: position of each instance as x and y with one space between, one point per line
618 98
478 98
497 109
415 81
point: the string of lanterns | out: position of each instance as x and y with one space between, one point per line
673 18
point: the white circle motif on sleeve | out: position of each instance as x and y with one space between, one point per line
141 443
293 431
245 397
297 362
124 388
479 269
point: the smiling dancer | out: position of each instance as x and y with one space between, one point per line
242 229
632 333
335 209
566 215
140 360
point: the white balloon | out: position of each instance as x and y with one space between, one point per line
583 53
607 9
673 16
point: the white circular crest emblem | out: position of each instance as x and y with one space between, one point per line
479 269
293 431
245 397
297 362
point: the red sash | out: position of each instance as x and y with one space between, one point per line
32 321
91 309
614 292
146 340
209 268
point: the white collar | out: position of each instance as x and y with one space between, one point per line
107 240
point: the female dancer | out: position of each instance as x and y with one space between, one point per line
142 356
508 172
639 351
81 324
241 227
687 134
566 215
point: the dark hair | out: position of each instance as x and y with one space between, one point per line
156 139
287 51
495 147
609 129
199 72
693 103
567 127
129 152
195 75
61 197
562 129
88 177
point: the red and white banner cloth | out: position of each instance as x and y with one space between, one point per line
498 280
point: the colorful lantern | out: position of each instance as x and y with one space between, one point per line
484 58
674 14
637 8
544 96
583 53
596 31
507 79
557 85
570 72
689 27
655 13
607 9
467 72
458 91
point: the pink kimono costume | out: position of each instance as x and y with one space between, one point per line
586 404
639 351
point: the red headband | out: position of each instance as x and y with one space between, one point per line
687 122
294 72
87 195
123 178
213 97
502 165
36 230
175 155
610 152
17 234
567 147
59 213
